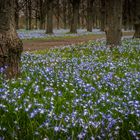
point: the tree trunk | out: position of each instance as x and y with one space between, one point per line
94 15
137 18
30 14
83 15
74 24
17 14
58 14
78 22
10 44
114 22
137 31
89 15
41 16
36 20
126 14
17 20
26 15
69 14
49 29
103 19
64 14
41 24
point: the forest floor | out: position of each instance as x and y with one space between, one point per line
44 43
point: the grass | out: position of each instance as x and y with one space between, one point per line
77 92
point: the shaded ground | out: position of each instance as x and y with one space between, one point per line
40 44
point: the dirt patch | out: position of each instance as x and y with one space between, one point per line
31 45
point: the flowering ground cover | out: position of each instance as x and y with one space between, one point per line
27 34
36 34
88 92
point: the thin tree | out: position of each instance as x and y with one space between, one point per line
10 44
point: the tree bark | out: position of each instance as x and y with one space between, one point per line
36 19
103 15
49 29
94 15
41 15
137 31
17 14
137 18
89 15
65 14
75 8
10 44
114 22
58 14
26 15
17 20
69 14
30 14
83 15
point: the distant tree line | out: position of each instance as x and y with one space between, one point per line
73 14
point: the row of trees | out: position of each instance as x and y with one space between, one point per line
113 14
73 14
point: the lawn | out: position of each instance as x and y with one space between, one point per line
86 91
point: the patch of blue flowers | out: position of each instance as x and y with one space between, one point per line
26 34
87 92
